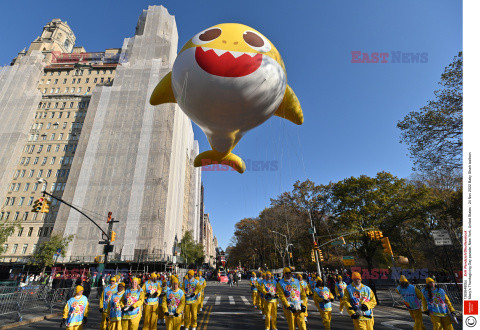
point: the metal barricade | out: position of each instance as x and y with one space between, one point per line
397 299
453 293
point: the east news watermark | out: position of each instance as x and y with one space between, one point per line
396 56
251 165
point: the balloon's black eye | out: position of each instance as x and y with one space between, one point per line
253 39
210 35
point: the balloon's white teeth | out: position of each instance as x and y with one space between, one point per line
251 54
205 49
219 52
236 54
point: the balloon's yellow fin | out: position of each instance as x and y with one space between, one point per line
163 92
214 157
290 108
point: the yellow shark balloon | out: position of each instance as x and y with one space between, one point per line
228 79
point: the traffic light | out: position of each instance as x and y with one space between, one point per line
371 235
315 246
386 246
313 256
378 235
45 206
320 255
343 240
107 249
38 205
291 255
109 217
114 236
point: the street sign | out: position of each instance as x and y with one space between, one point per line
349 261
310 231
441 237
338 242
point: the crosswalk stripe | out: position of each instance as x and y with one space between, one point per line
232 302
205 300
245 301
217 300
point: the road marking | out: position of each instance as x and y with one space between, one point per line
203 317
391 324
246 302
232 302
217 300
208 318
205 300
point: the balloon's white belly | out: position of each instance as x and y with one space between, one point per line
225 105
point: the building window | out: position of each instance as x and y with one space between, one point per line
25 216
88 89
15 216
12 201
78 81
57 147
40 148
22 199
55 82
73 81
39 233
34 248
52 115
7 201
17 173
87 80
64 81
53 160
22 174
17 186
49 147
24 248
44 161
30 230
35 186
60 136
27 160
40 172
49 172
20 232
59 115
27 185
95 80
34 216
31 173
30 201
66 89
52 137
73 89
35 161
55 126
14 249
71 104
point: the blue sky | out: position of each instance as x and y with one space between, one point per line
350 109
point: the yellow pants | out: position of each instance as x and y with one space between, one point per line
417 317
161 313
271 315
264 306
173 323
441 323
103 325
326 318
363 324
202 296
115 325
342 305
75 327
190 315
292 319
131 324
255 298
150 317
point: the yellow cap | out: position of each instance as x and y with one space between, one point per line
174 280
299 276
319 279
113 279
153 275
121 283
197 278
429 280
268 273
339 278
191 272
356 275
136 279
286 270
199 273
253 273
78 288
403 279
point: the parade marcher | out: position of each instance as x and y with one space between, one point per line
323 300
192 290
203 284
269 290
76 311
340 287
165 285
293 299
260 294
253 288
412 298
173 304
152 289
114 309
360 301
437 305
132 305
306 288
105 299
312 282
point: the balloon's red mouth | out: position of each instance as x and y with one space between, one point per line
225 63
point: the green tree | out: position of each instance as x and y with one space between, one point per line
434 133
43 255
6 230
191 251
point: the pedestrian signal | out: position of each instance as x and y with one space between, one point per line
371 235
386 246
45 206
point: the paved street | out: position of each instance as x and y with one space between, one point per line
231 308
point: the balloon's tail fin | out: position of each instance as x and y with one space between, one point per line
214 157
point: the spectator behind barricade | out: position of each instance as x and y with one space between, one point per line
69 282
86 284
56 282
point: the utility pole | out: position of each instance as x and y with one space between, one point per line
317 258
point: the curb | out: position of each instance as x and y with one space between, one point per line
34 320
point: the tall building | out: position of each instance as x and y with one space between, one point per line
82 122
208 240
